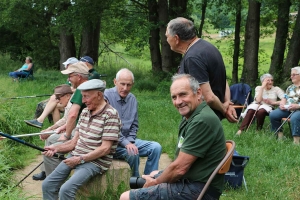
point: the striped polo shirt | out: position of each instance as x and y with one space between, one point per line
104 125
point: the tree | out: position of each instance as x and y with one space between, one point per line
293 55
203 9
282 25
154 36
237 41
250 70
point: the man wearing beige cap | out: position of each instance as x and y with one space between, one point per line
91 149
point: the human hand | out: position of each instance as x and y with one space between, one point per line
72 161
293 107
150 181
50 151
132 149
61 129
44 136
231 115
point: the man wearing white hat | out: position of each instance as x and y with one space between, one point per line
91 149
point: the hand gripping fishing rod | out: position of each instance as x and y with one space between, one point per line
61 157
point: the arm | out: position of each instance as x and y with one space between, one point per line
211 99
174 171
71 121
230 115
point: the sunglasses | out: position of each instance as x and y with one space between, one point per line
57 97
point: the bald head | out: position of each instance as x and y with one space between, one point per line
124 81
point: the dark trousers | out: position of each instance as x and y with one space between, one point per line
260 119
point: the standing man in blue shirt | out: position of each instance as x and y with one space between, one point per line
130 148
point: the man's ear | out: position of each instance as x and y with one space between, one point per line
177 39
115 82
199 93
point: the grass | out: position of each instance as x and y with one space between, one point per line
273 170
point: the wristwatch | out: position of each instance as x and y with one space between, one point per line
81 160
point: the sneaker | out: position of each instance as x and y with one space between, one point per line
40 176
34 123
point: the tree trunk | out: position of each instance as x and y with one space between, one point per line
67 47
203 11
154 36
293 55
250 70
280 41
177 8
166 52
237 42
90 38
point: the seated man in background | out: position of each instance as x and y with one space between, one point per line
201 147
92 147
63 95
90 64
130 148
49 107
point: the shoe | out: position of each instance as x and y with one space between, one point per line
34 123
39 177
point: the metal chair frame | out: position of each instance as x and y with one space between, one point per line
222 168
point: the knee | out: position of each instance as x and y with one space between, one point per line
124 196
156 147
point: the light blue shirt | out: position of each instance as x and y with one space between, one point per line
127 109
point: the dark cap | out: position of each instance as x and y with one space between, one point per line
87 59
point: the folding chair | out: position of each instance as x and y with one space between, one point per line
222 168
28 76
240 96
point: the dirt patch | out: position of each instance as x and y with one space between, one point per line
33 189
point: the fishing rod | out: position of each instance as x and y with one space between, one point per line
23 97
30 134
61 157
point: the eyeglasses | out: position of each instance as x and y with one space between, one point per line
292 75
70 75
57 97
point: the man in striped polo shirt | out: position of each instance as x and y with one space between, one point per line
92 147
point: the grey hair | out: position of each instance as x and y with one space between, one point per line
182 27
297 68
124 70
84 76
262 78
194 84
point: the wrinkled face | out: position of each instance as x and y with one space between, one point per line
172 40
183 97
92 99
63 99
270 82
295 77
74 79
124 84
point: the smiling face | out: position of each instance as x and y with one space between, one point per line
92 99
183 97
295 76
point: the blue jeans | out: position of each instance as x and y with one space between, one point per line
149 149
17 74
275 118
53 186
